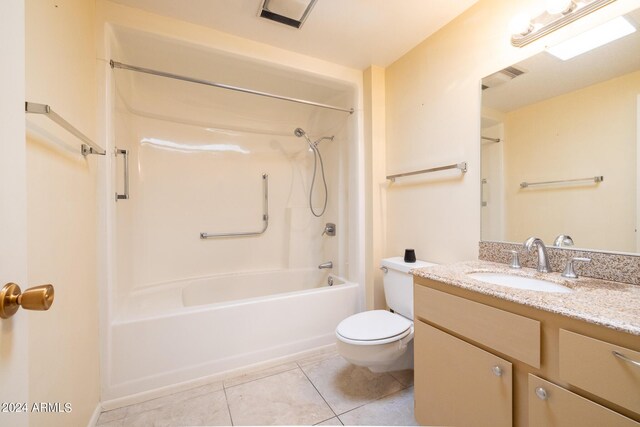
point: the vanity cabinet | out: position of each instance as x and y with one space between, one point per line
484 361
452 370
551 405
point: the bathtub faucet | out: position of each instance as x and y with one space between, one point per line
328 264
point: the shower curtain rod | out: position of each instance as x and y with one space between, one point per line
115 64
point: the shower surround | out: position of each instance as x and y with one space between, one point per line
207 160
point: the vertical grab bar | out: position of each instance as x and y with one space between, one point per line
125 154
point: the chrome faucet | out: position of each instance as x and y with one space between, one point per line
327 264
543 258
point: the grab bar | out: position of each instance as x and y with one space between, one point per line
265 216
125 154
89 147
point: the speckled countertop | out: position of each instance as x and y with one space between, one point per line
610 304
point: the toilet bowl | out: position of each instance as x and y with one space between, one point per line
378 339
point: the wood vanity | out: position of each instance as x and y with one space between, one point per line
484 360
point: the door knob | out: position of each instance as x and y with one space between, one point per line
36 298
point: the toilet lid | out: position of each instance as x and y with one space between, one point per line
373 325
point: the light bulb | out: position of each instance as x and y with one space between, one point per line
520 25
555 7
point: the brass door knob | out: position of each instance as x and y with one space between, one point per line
36 298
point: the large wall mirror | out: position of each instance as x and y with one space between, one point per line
561 148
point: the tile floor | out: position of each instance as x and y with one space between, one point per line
321 389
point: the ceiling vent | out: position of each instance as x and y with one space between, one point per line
288 12
501 77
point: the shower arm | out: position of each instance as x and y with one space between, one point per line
265 217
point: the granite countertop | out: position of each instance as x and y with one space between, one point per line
610 304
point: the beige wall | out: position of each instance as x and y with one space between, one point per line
588 132
61 205
375 183
433 118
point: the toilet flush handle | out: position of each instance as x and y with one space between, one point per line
384 269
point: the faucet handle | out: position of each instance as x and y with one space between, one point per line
563 240
329 229
569 272
515 258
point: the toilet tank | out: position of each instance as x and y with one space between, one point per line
398 284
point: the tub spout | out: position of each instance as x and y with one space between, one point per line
328 264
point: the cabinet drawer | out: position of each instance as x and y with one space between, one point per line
591 365
458 384
561 408
505 332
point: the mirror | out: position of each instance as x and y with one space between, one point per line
550 129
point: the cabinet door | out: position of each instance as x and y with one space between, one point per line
553 406
458 384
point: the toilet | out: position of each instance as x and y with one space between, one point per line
378 339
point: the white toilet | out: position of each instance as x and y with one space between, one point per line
379 339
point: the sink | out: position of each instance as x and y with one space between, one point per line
519 282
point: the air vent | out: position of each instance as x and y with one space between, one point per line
501 77
288 12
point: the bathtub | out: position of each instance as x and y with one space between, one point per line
184 330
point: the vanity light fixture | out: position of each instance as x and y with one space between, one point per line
596 37
558 13
288 12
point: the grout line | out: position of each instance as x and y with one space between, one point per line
226 399
261 378
336 417
320 394
374 400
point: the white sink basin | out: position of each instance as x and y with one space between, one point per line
519 282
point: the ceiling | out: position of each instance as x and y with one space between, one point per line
354 33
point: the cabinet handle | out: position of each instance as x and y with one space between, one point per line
497 371
541 393
625 358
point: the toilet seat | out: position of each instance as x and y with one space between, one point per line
374 327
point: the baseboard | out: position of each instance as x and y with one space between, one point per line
144 396
94 417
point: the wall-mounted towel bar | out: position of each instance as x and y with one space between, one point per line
265 216
486 138
462 166
115 64
89 147
595 179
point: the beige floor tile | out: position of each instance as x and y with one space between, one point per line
251 376
113 415
206 410
287 398
345 386
318 357
392 410
143 419
114 423
172 398
330 422
405 377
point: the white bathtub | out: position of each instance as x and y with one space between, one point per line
181 331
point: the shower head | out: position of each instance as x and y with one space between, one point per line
301 133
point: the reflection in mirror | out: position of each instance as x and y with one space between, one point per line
569 132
